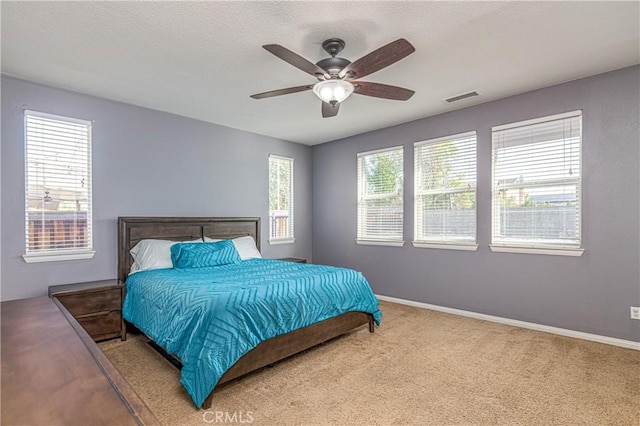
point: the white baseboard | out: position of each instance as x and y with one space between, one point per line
629 344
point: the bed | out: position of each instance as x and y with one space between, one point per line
352 305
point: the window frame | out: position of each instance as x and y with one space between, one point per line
57 254
444 243
365 240
290 238
531 246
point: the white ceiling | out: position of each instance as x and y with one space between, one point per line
204 59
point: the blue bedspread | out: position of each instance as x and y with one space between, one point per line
210 317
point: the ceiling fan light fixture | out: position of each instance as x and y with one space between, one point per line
333 91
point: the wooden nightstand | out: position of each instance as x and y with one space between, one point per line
96 305
293 259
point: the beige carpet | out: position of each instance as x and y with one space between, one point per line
420 367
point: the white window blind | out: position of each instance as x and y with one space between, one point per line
445 190
280 199
537 183
57 187
380 186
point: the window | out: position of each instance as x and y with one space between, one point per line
445 192
380 184
536 185
57 188
280 200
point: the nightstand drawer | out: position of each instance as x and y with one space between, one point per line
102 326
92 301
96 305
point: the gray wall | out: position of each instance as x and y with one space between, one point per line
591 293
145 162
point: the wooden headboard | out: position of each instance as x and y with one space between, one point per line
135 228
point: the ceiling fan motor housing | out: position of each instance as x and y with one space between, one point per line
333 65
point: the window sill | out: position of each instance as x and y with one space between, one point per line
380 243
533 250
445 246
282 241
56 257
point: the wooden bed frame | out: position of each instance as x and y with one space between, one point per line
133 229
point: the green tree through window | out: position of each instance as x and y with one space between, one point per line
380 198
280 199
445 190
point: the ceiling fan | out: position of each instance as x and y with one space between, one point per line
337 76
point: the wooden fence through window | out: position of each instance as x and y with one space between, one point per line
57 230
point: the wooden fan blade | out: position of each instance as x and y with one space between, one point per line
329 110
296 60
279 92
378 90
380 58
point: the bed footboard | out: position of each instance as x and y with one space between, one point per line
280 347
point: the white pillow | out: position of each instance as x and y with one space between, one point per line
245 246
153 254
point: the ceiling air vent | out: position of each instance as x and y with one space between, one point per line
462 96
